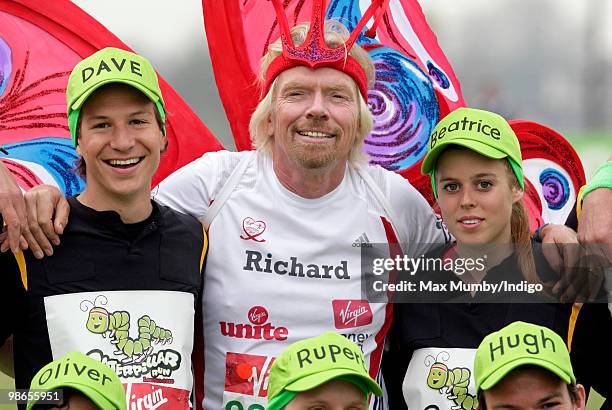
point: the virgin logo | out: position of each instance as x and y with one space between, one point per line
351 313
258 315
247 374
257 329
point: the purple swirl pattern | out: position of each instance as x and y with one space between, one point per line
5 65
405 110
555 188
438 75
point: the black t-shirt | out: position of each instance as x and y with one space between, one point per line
427 338
123 293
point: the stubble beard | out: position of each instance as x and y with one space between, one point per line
311 156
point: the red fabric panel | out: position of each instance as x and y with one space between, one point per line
188 137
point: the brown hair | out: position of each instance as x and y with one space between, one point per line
520 233
571 390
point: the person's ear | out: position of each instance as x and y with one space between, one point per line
580 402
269 126
78 148
163 142
517 194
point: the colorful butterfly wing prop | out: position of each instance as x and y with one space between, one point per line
40 42
553 172
415 83
415 87
233 57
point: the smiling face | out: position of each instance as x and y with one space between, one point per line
475 196
437 376
314 120
334 395
120 142
97 321
531 387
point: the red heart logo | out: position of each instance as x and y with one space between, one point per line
253 229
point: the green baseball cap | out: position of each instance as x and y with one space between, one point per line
110 65
309 363
75 370
520 344
484 132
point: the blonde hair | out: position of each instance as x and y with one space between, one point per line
335 36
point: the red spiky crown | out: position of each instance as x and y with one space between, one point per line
315 53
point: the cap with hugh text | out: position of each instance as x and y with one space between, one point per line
110 65
310 363
520 344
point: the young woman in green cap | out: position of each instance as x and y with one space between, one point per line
475 165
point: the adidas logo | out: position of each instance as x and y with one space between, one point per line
362 241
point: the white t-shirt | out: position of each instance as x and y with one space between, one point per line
281 268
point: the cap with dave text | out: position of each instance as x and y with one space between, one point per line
110 65
520 344
484 132
310 363
75 370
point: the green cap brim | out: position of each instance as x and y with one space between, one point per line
92 394
432 157
281 400
502 371
73 117
79 102
317 379
431 160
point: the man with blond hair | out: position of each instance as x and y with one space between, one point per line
286 221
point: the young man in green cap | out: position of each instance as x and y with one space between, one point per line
78 382
328 370
123 285
526 366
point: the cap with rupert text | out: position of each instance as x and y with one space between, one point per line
110 65
310 363
77 371
520 344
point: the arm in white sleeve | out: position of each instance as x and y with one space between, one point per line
425 230
192 188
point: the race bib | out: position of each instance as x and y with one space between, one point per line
440 379
246 381
146 337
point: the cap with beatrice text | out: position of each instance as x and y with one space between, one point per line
520 344
75 370
484 132
309 363
110 65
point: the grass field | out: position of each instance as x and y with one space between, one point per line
593 149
